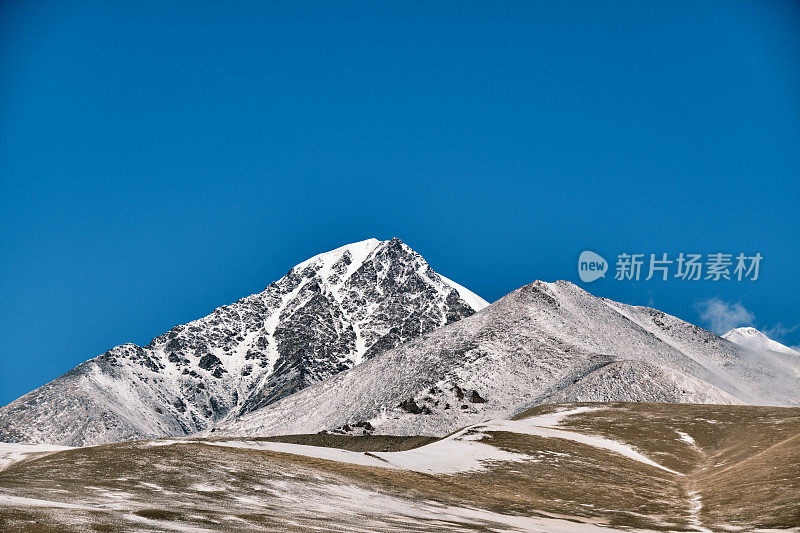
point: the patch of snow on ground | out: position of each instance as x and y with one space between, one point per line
11 453
685 437
6 500
462 451
695 506
202 487
369 505
547 426
458 453
319 452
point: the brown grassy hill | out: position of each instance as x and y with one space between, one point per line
699 468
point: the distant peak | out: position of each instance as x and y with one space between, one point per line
532 292
553 286
568 285
753 339
747 330
354 254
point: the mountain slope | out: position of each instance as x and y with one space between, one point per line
563 468
543 342
325 315
754 340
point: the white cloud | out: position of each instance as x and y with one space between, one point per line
721 316
779 331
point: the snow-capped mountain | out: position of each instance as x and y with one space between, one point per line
545 342
327 314
754 340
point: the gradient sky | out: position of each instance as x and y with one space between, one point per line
159 159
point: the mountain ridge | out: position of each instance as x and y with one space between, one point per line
328 313
519 351
368 337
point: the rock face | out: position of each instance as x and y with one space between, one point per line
325 315
543 343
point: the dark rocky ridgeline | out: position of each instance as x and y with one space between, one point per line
389 297
324 316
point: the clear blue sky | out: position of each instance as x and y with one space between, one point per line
159 159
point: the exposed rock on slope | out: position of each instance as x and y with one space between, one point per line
543 342
324 316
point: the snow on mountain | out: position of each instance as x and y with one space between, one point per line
327 314
545 342
754 340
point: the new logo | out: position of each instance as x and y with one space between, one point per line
591 266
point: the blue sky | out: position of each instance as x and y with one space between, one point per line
159 159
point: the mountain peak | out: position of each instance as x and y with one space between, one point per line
747 330
753 339
326 315
358 251
336 266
